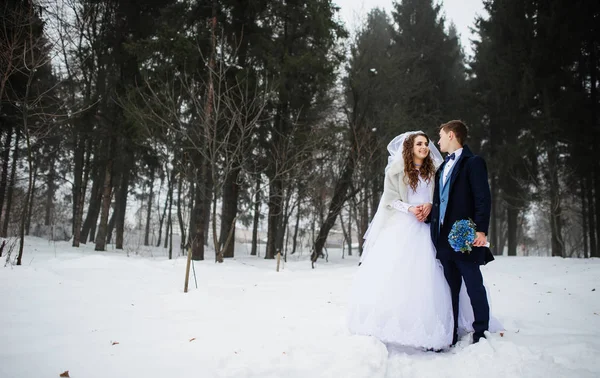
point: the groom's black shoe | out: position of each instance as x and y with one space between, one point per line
434 350
478 336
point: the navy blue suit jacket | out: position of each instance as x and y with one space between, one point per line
469 198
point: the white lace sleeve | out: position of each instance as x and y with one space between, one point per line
401 206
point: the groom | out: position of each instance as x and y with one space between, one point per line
462 192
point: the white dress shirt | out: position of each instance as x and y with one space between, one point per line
450 164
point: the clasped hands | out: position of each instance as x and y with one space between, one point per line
421 212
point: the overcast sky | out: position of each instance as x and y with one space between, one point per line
461 12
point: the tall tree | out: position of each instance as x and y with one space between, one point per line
503 94
304 58
413 76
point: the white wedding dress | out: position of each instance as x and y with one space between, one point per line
399 294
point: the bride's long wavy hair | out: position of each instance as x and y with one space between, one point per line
411 173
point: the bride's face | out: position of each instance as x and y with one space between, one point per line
421 147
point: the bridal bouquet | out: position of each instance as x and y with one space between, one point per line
463 235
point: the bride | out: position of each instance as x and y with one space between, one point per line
399 294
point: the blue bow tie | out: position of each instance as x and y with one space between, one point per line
450 157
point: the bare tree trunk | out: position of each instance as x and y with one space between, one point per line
281 247
51 189
208 192
11 185
192 207
106 199
343 230
218 250
555 205
229 212
502 230
512 215
210 120
339 197
169 204
349 230
121 206
2 245
375 195
31 200
312 228
584 223
180 220
275 199
95 223
170 221
287 240
355 217
256 219
30 182
198 235
29 192
593 59
296 228
149 209
79 192
494 240
5 161
89 224
596 251
111 226
162 218
364 217
274 217
285 237
591 216
78 162
199 216
168 224
170 239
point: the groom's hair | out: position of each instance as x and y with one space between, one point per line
459 129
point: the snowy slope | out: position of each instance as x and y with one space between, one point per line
109 315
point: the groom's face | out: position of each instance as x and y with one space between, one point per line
444 140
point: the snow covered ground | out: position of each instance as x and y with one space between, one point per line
104 314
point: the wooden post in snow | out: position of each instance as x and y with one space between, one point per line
278 259
187 270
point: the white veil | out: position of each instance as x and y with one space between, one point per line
395 165
396 146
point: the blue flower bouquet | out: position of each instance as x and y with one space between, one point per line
463 235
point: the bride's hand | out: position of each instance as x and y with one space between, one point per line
426 210
415 210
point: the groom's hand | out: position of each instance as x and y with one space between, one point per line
480 240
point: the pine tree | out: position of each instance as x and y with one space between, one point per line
303 59
430 72
502 84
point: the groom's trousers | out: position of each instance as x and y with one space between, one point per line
455 271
